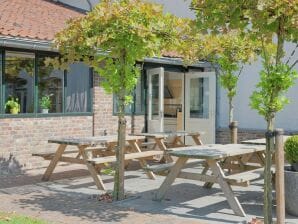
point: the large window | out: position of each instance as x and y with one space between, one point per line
33 87
19 80
50 84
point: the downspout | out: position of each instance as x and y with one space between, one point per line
90 5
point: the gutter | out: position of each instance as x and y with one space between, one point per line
26 43
177 61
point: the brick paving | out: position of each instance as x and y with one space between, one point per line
27 195
70 197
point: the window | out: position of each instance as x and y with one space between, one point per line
19 79
25 77
78 86
50 84
138 105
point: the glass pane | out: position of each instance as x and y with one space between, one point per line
19 81
199 98
155 93
50 86
128 108
139 97
78 88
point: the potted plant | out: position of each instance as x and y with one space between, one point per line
45 104
291 175
12 105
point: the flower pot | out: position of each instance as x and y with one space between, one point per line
291 191
45 111
14 111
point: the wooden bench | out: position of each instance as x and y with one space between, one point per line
128 156
163 169
50 155
244 178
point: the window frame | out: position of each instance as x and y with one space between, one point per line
35 113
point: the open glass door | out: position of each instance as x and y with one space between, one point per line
155 100
200 99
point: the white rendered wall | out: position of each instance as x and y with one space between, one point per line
250 119
177 7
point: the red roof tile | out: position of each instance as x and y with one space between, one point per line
35 19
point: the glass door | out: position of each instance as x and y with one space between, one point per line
155 100
200 99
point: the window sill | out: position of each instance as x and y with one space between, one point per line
39 115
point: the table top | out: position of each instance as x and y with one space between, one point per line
261 141
166 134
215 151
92 141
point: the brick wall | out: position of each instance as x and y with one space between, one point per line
103 113
223 135
20 137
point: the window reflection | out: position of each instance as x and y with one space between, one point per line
19 79
199 98
50 84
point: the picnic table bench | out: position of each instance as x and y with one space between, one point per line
215 156
165 140
94 151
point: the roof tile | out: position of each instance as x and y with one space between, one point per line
37 19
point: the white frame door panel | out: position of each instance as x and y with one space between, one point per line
200 105
155 99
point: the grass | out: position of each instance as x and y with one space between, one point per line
12 218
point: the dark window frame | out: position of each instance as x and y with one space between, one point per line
35 113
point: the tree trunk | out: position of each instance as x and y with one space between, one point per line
232 124
231 110
267 172
269 135
118 193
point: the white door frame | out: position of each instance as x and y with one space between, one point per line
156 123
204 125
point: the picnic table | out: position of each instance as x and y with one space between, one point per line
173 139
261 141
216 157
88 150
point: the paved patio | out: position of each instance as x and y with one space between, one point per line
71 198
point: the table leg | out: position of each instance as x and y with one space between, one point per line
174 172
97 179
226 188
162 146
136 148
177 142
197 140
53 163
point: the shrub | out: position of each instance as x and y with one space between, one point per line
291 149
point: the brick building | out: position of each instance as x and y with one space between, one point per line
79 106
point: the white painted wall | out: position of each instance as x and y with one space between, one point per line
177 7
248 118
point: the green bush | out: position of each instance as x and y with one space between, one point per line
291 149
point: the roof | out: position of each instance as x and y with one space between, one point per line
34 19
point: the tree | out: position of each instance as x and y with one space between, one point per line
111 38
267 21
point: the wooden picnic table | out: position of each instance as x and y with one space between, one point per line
215 156
261 141
172 139
88 148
